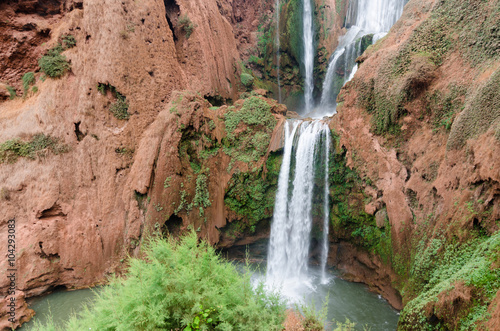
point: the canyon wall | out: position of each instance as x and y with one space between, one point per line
82 154
419 125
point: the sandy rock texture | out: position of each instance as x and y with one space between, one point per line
76 213
438 174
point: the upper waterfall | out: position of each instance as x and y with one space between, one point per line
308 39
367 20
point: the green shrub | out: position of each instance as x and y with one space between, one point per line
174 287
54 64
186 25
247 79
28 80
68 41
255 111
12 92
12 149
119 109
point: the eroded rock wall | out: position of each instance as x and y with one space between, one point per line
77 210
419 123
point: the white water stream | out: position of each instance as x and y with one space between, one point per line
288 255
308 35
307 144
369 17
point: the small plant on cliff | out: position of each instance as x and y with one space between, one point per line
182 284
186 25
53 63
12 92
119 108
11 150
68 41
28 80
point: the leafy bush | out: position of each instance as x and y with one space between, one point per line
28 80
119 109
12 92
247 79
182 285
186 25
255 111
68 41
12 149
54 64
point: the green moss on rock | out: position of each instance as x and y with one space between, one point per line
482 109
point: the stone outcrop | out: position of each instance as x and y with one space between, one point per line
77 213
419 124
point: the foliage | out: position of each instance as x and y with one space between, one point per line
28 80
247 80
119 108
202 197
186 25
439 265
255 112
251 143
174 287
11 150
12 92
348 217
68 41
482 109
53 63
251 194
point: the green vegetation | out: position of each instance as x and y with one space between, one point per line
481 111
251 194
186 25
68 41
348 216
11 150
247 80
28 80
12 92
439 268
119 108
182 285
53 63
255 124
202 197
451 26
445 107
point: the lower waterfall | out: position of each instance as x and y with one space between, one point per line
306 157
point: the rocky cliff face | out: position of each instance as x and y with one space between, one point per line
96 142
420 125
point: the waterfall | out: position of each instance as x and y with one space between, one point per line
327 83
308 36
365 17
292 221
277 252
278 56
326 210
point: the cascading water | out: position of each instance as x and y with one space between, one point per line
307 146
278 44
369 19
326 209
308 40
292 221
